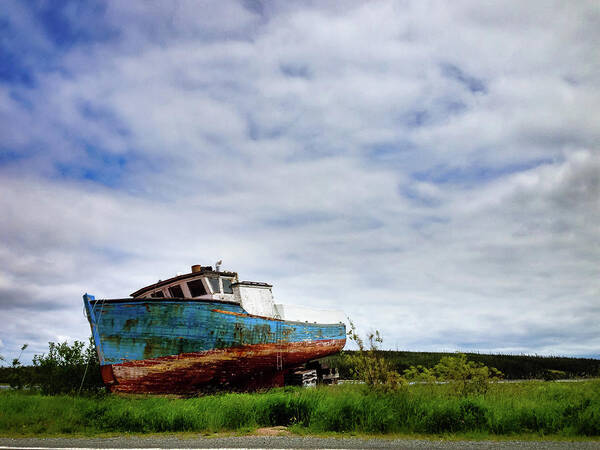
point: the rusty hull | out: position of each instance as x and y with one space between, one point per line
184 346
241 368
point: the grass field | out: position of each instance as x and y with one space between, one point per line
541 408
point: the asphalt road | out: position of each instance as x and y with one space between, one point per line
156 442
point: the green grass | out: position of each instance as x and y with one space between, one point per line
543 409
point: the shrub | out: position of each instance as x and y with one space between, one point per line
67 369
551 375
465 377
18 375
369 365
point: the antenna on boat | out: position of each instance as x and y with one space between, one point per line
218 265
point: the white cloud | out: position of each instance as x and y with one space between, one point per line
431 169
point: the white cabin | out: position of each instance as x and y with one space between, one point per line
255 298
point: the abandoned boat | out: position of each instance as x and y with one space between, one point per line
206 330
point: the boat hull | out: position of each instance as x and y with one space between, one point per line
185 346
247 367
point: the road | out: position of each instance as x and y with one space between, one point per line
158 441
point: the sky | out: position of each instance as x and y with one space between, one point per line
430 168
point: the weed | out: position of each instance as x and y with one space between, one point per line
369 365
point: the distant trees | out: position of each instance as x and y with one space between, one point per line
514 367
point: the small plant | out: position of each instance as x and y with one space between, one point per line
552 375
369 365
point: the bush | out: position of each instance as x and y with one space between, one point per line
465 377
17 375
551 375
67 369
369 365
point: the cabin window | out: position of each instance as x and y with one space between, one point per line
227 286
214 284
196 288
176 291
157 294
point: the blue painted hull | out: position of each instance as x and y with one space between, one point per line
178 345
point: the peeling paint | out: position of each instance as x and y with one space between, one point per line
182 346
247 367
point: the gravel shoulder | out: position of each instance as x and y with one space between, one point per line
170 441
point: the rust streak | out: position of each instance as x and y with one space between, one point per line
245 315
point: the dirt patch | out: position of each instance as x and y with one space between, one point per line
273 431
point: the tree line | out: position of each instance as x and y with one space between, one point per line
514 367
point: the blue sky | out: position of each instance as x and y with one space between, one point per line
431 168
